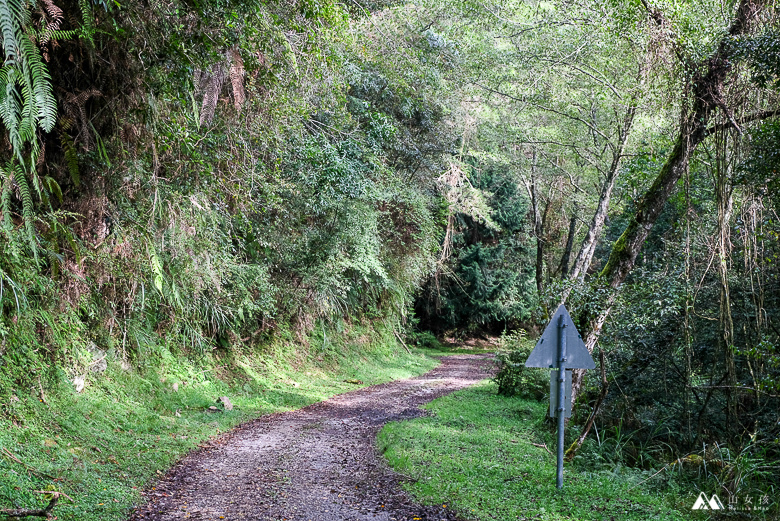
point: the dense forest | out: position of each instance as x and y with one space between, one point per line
190 176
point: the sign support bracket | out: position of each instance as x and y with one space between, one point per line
561 394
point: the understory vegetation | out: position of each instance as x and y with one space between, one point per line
190 181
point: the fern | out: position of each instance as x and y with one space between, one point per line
157 269
87 20
237 78
52 25
71 157
28 106
53 187
26 97
10 107
40 85
101 148
10 13
195 111
211 95
58 34
28 213
5 202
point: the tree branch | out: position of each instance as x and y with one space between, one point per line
732 123
45 512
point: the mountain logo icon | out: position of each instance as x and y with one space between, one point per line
702 503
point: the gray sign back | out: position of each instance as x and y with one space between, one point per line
546 350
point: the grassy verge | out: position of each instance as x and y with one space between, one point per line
105 444
476 454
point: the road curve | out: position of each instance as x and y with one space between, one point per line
319 463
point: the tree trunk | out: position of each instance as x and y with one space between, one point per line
702 97
689 296
725 204
569 244
588 247
538 226
627 248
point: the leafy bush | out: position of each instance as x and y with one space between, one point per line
427 340
513 377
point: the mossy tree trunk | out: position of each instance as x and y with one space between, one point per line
566 257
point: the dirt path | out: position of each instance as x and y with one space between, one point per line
315 464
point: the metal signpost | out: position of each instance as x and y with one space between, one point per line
561 349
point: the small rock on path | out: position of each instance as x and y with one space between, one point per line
319 463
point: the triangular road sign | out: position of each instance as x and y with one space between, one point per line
546 350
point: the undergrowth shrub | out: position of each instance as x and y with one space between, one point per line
513 377
426 339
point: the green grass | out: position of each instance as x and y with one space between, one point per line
476 455
104 445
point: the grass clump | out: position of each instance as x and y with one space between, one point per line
128 426
484 455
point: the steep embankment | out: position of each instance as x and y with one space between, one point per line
186 191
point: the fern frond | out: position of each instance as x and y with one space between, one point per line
52 25
47 35
66 123
71 157
39 85
75 107
53 187
157 268
53 11
10 14
5 202
101 148
211 95
195 111
36 181
26 116
25 11
28 211
87 20
11 106
26 98
56 261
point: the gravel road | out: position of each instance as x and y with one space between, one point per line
319 463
